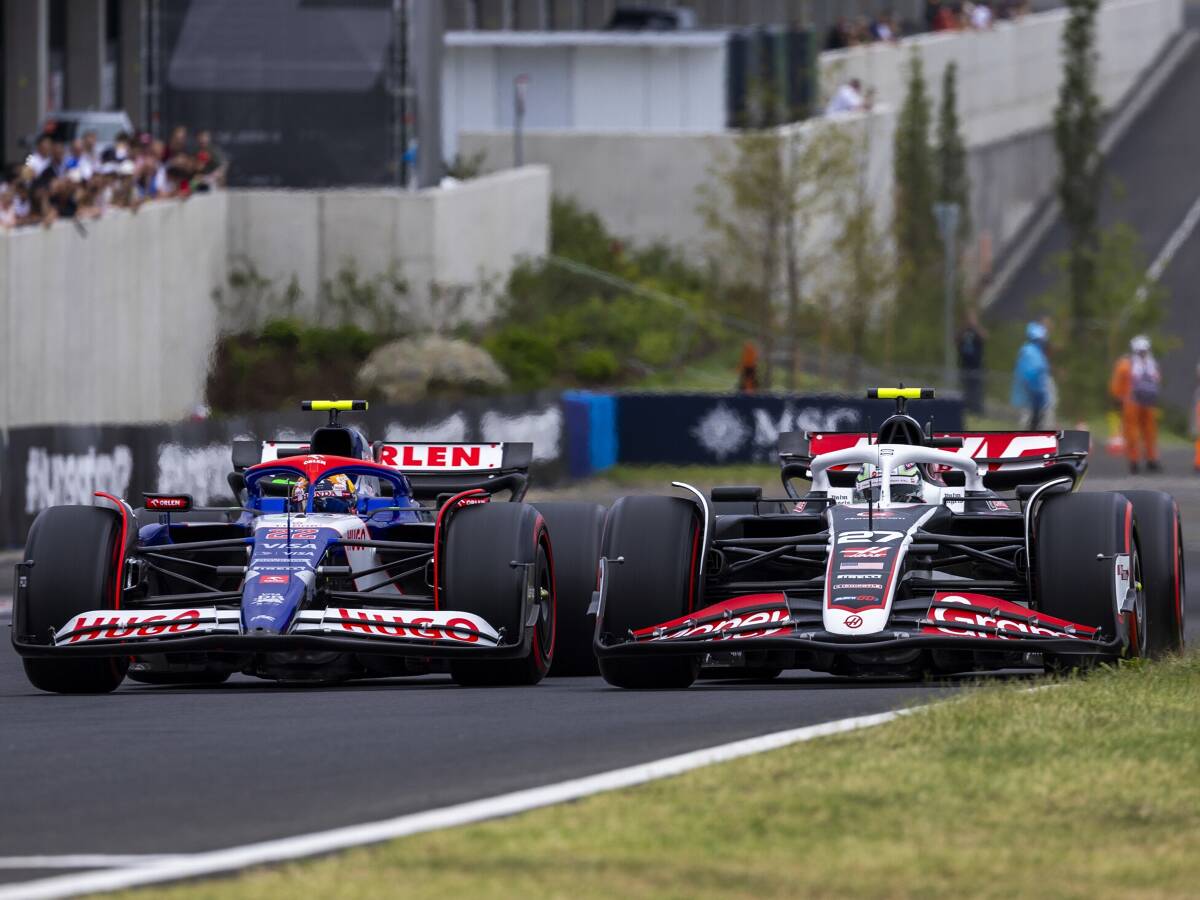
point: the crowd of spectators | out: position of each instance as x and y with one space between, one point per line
83 179
940 15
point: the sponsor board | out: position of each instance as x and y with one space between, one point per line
44 466
722 429
198 471
57 479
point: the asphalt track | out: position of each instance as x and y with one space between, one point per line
154 770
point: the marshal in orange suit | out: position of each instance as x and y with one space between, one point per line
1135 385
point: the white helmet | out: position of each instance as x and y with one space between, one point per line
906 484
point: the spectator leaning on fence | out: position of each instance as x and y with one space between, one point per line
847 98
84 182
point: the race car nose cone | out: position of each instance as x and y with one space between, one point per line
269 602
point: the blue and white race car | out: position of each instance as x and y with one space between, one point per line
343 561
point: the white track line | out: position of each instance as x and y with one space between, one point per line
1040 221
218 861
84 860
1178 237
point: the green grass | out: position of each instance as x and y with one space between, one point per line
1091 789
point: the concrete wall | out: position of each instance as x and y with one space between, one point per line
1008 76
593 81
443 239
644 184
112 321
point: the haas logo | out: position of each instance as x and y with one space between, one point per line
853 621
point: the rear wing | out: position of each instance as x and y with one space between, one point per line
247 453
1008 459
440 468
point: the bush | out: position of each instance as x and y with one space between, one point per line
562 326
597 366
283 333
526 356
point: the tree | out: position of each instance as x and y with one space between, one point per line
744 208
1123 302
1077 137
761 207
863 263
954 184
913 226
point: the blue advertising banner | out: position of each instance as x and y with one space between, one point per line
712 429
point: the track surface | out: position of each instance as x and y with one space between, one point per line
152 770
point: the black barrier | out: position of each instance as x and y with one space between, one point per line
708 429
45 466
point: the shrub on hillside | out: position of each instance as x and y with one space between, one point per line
599 311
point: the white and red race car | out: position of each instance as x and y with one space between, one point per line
913 553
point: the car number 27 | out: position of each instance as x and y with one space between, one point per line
869 537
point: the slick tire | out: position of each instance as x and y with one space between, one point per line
482 545
659 539
72 550
1076 538
576 530
1160 544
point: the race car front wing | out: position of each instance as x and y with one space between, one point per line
423 633
773 621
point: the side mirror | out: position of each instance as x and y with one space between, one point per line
246 454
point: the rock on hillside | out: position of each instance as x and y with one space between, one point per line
412 368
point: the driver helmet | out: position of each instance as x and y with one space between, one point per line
906 484
335 494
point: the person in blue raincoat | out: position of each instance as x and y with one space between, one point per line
1031 377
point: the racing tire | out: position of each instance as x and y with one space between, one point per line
659 539
1076 538
490 551
72 549
1160 548
576 530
